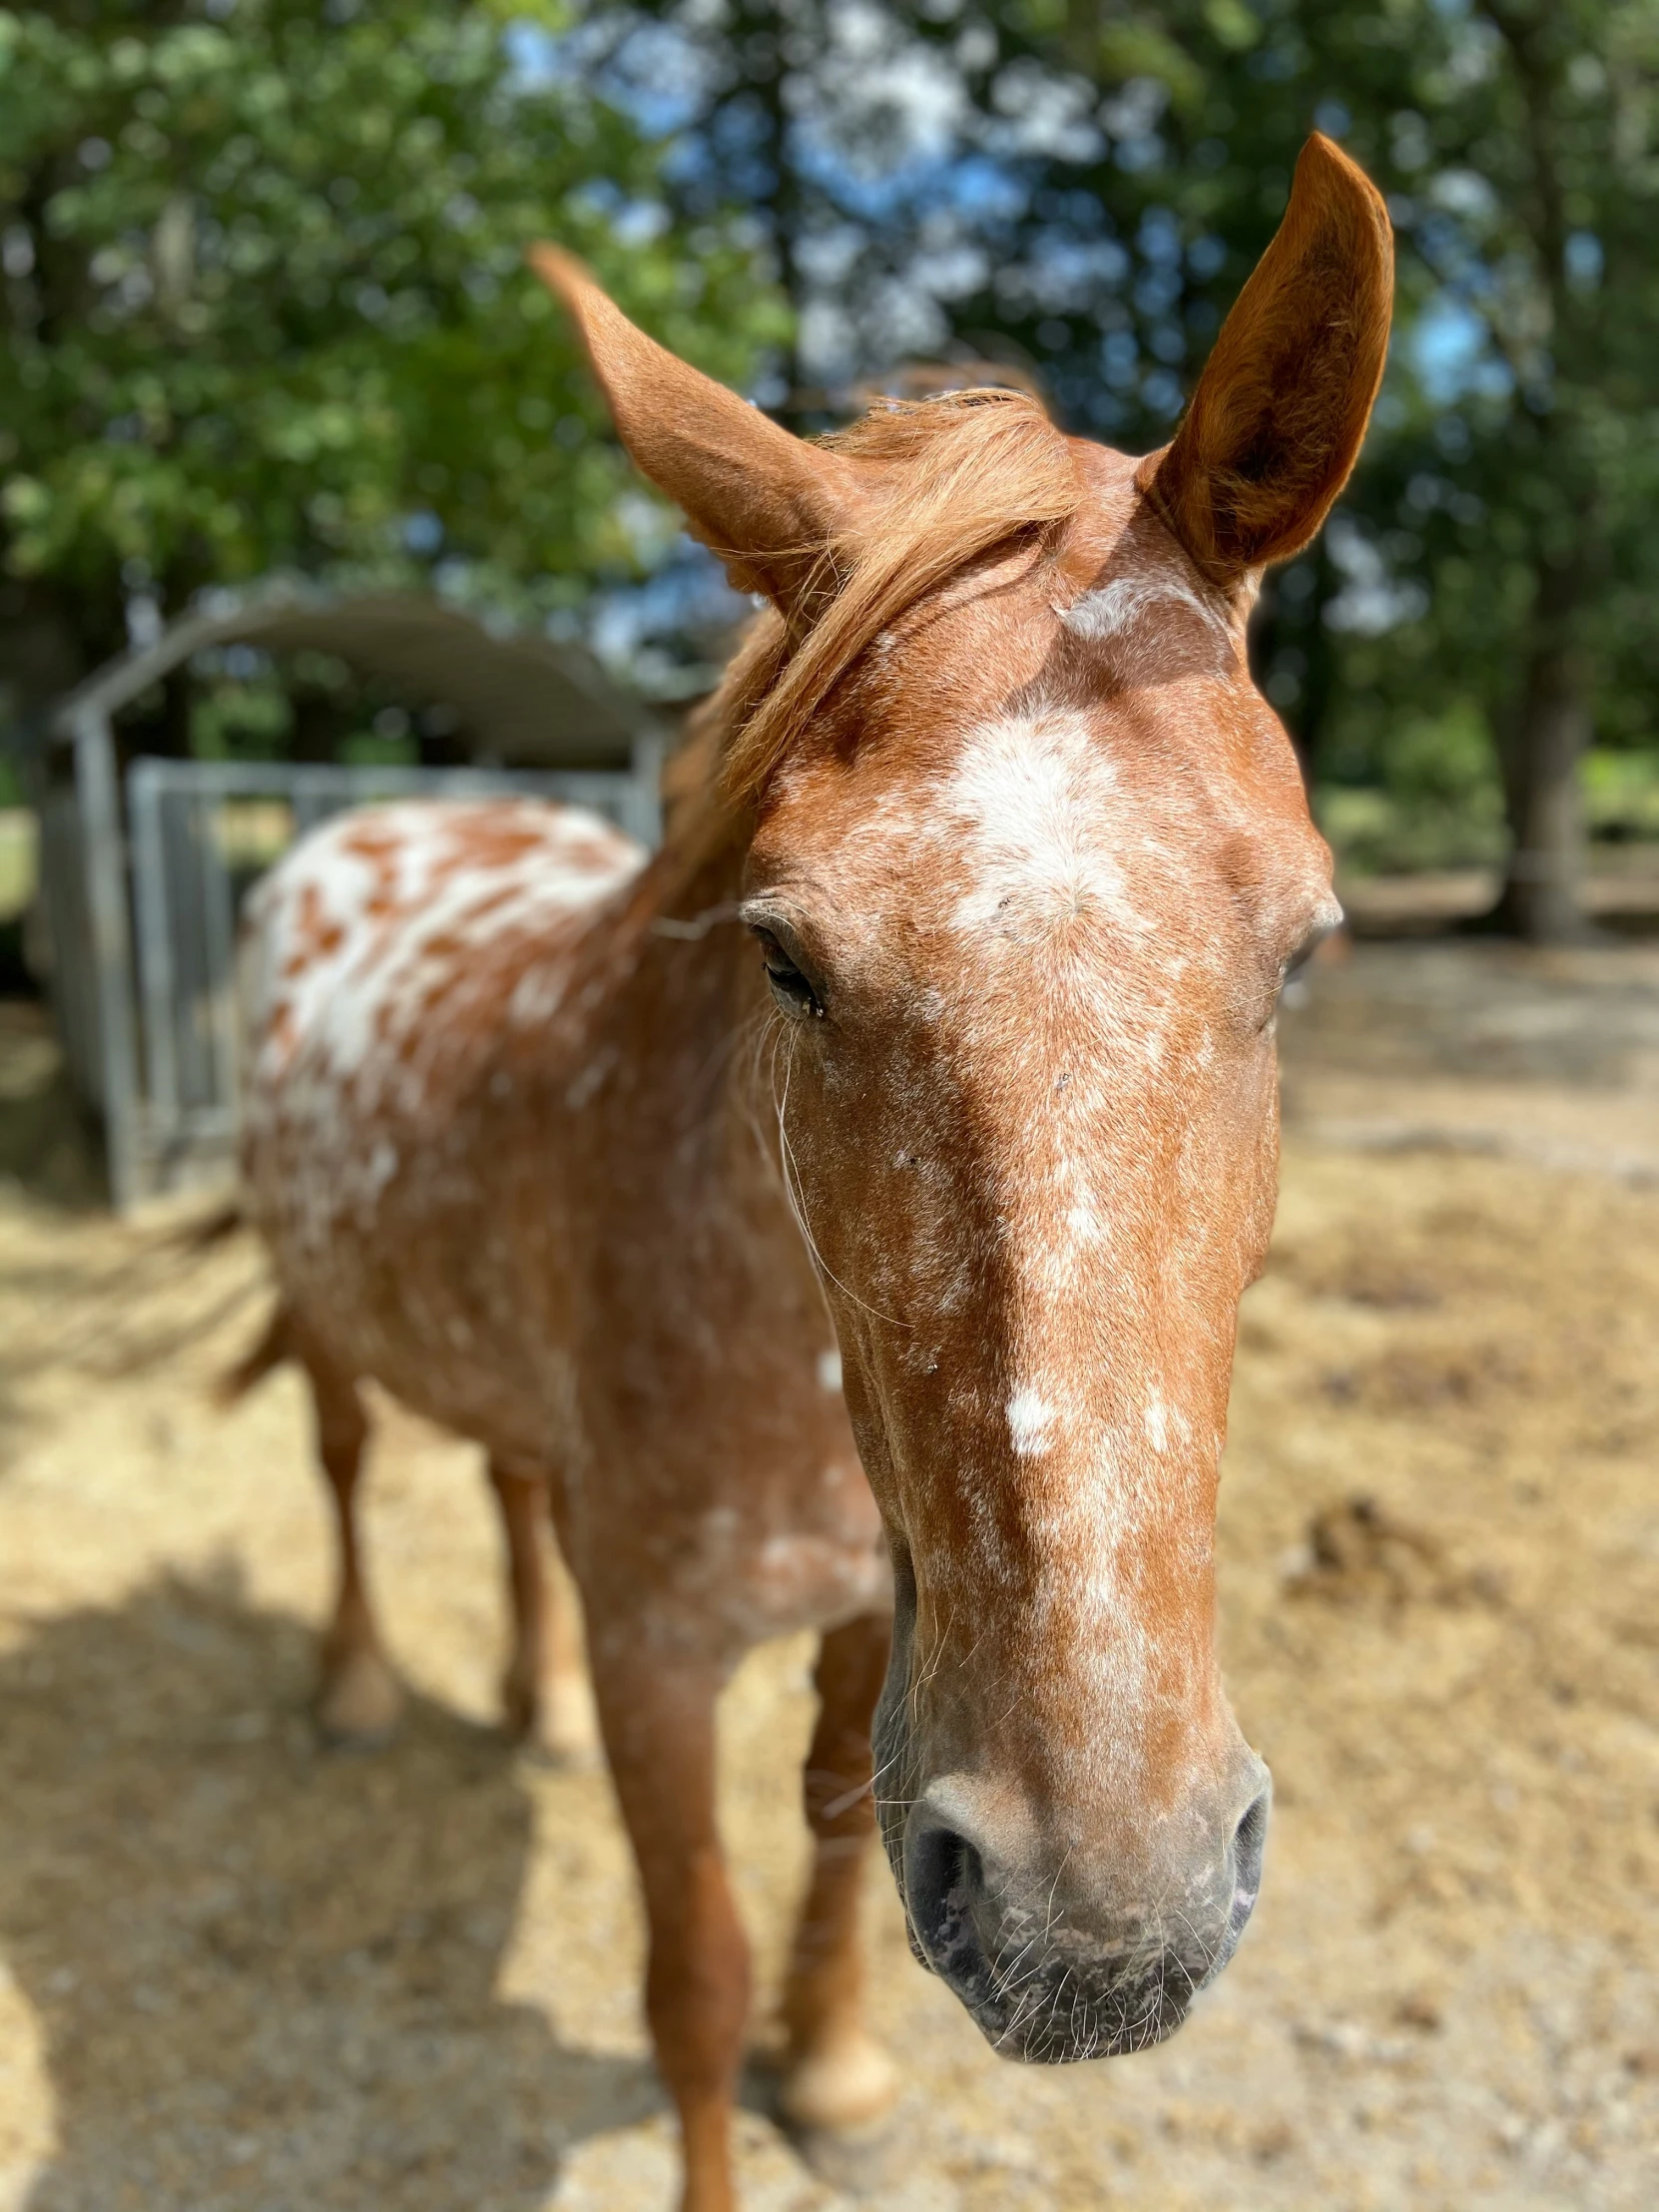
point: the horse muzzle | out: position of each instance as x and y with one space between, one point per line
1094 1976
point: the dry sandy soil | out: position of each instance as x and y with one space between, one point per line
238 1971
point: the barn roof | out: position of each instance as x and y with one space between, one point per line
525 699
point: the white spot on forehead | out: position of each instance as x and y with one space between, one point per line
1030 1423
1117 606
1033 796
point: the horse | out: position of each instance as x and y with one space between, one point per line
838 1220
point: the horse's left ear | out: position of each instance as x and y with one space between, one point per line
1280 411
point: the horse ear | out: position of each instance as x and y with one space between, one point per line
772 506
1277 420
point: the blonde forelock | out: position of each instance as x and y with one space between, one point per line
955 477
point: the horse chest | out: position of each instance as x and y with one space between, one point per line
718 1472
763 1583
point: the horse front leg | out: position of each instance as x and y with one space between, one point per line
657 1713
836 2075
544 1688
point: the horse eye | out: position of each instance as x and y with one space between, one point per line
1308 947
1293 990
789 986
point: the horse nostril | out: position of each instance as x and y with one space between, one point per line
1248 1841
943 1876
942 1866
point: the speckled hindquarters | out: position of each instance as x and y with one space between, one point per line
389 961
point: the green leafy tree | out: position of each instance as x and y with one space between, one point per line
1519 482
266 307
1083 186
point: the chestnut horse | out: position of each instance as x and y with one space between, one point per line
914 1108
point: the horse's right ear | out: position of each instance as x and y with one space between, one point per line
772 507
1276 423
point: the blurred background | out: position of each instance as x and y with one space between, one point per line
305 498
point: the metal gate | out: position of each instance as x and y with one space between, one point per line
201 833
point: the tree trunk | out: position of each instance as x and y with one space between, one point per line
1541 900
41 655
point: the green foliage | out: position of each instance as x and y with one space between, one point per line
312 707
1521 438
266 304
1515 462
240 721
1621 795
1432 799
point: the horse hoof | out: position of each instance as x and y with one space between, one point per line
569 1734
842 2085
360 1703
570 1727
556 1723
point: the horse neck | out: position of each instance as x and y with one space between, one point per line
687 981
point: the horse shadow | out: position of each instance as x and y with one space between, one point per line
264 1975
48 1141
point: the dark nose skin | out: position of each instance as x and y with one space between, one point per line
1122 1995
1247 1845
944 1880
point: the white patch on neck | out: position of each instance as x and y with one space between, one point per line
1118 606
1030 1423
829 1369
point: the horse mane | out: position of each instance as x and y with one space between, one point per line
966 471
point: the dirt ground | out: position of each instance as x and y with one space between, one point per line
238 1971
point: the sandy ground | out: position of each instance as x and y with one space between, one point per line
238 1972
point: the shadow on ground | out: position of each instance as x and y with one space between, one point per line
50 1147
265 1976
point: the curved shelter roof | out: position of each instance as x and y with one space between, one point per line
524 700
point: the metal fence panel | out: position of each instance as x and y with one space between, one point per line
201 833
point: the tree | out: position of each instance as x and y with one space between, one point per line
1073 192
265 308
1081 186
1529 183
